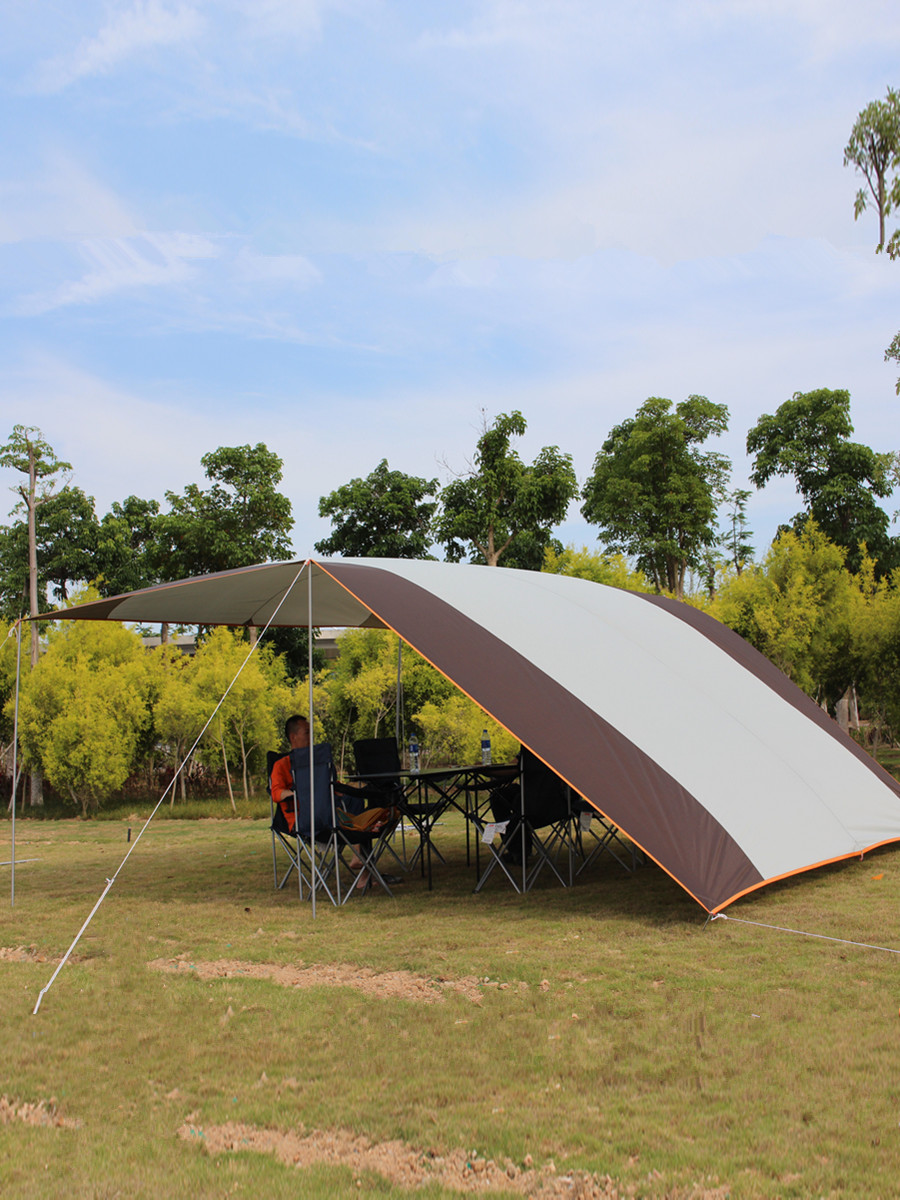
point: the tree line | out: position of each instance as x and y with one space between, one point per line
823 602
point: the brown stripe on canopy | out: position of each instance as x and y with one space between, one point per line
591 755
765 670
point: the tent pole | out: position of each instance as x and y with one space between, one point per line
15 770
398 723
312 736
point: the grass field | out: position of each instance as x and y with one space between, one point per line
209 1039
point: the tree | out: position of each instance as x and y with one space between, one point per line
450 732
247 721
241 520
26 451
610 569
654 493
736 538
808 438
503 507
875 635
126 546
356 695
874 150
796 608
179 710
386 515
83 708
65 538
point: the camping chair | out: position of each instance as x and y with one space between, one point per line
378 766
318 847
312 858
605 838
539 824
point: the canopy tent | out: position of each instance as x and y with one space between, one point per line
667 722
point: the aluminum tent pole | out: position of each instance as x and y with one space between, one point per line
398 727
15 770
399 731
312 737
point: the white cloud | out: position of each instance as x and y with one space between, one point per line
117 264
276 268
62 201
146 24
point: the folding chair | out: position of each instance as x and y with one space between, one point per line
607 839
378 766
307 840
316 840
537 833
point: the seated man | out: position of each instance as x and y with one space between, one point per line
349 801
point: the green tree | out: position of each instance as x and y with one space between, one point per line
808 438
875 637
796 607
27 452
65 537
611 569
386 515
240 520
126 546
450 732
504 507
247 722
356 695
179 710
736 538
654 492
83 709
874 150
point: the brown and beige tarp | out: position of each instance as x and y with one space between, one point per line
671 725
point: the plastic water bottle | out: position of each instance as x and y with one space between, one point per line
414 756
485 749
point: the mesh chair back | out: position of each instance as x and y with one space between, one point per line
322 775
377 756
546 796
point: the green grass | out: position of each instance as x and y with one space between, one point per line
631 1038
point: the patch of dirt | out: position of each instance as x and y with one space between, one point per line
385 985
407 1167
44 1112
27 954
403 1165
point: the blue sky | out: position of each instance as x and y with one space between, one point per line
347 228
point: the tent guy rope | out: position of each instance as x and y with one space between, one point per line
132 847
803 933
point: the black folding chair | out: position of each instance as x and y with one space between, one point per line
317 840
378 766
534 818
596 835
306 840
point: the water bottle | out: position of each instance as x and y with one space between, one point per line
414 756
485 749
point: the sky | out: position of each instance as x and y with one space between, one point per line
357 229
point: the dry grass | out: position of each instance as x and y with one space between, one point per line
594 1042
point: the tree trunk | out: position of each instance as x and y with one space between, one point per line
245 754
36 792
228 779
